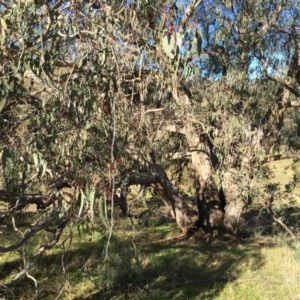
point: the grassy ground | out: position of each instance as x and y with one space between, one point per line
283 171
151 260
155 262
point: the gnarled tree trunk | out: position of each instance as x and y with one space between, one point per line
236 180
186 218
237 171
209 204
234 202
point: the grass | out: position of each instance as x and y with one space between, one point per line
283 173
155 262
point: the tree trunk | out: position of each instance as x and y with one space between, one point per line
239 171
234 202
209 205
186 218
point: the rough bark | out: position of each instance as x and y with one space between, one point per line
209 204
186 217
237 177
210 208
234 202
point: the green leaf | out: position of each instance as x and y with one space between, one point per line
36 161
197 42
44 167
2 103
92 203
168 43
82 202
4 86
3 23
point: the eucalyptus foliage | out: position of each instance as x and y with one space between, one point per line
89 91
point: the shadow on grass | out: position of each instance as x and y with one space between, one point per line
149 263
174 268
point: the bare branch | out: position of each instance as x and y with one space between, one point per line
295 103
30 234
286 85
282 157
154 110
142 179
56 236
65 64
187 15
75 34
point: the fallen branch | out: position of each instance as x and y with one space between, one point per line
31 233
277 220
56 236
282 157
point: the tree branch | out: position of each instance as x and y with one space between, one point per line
295 103
185 216
30 234
286 85
187 15
281 157
56 236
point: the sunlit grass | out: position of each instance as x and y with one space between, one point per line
277 278
152 260
156 262
283 174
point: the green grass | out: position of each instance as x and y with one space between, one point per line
156 262
283 173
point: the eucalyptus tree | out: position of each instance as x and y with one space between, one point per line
249 57
68 96
75 85
99 95
253 48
